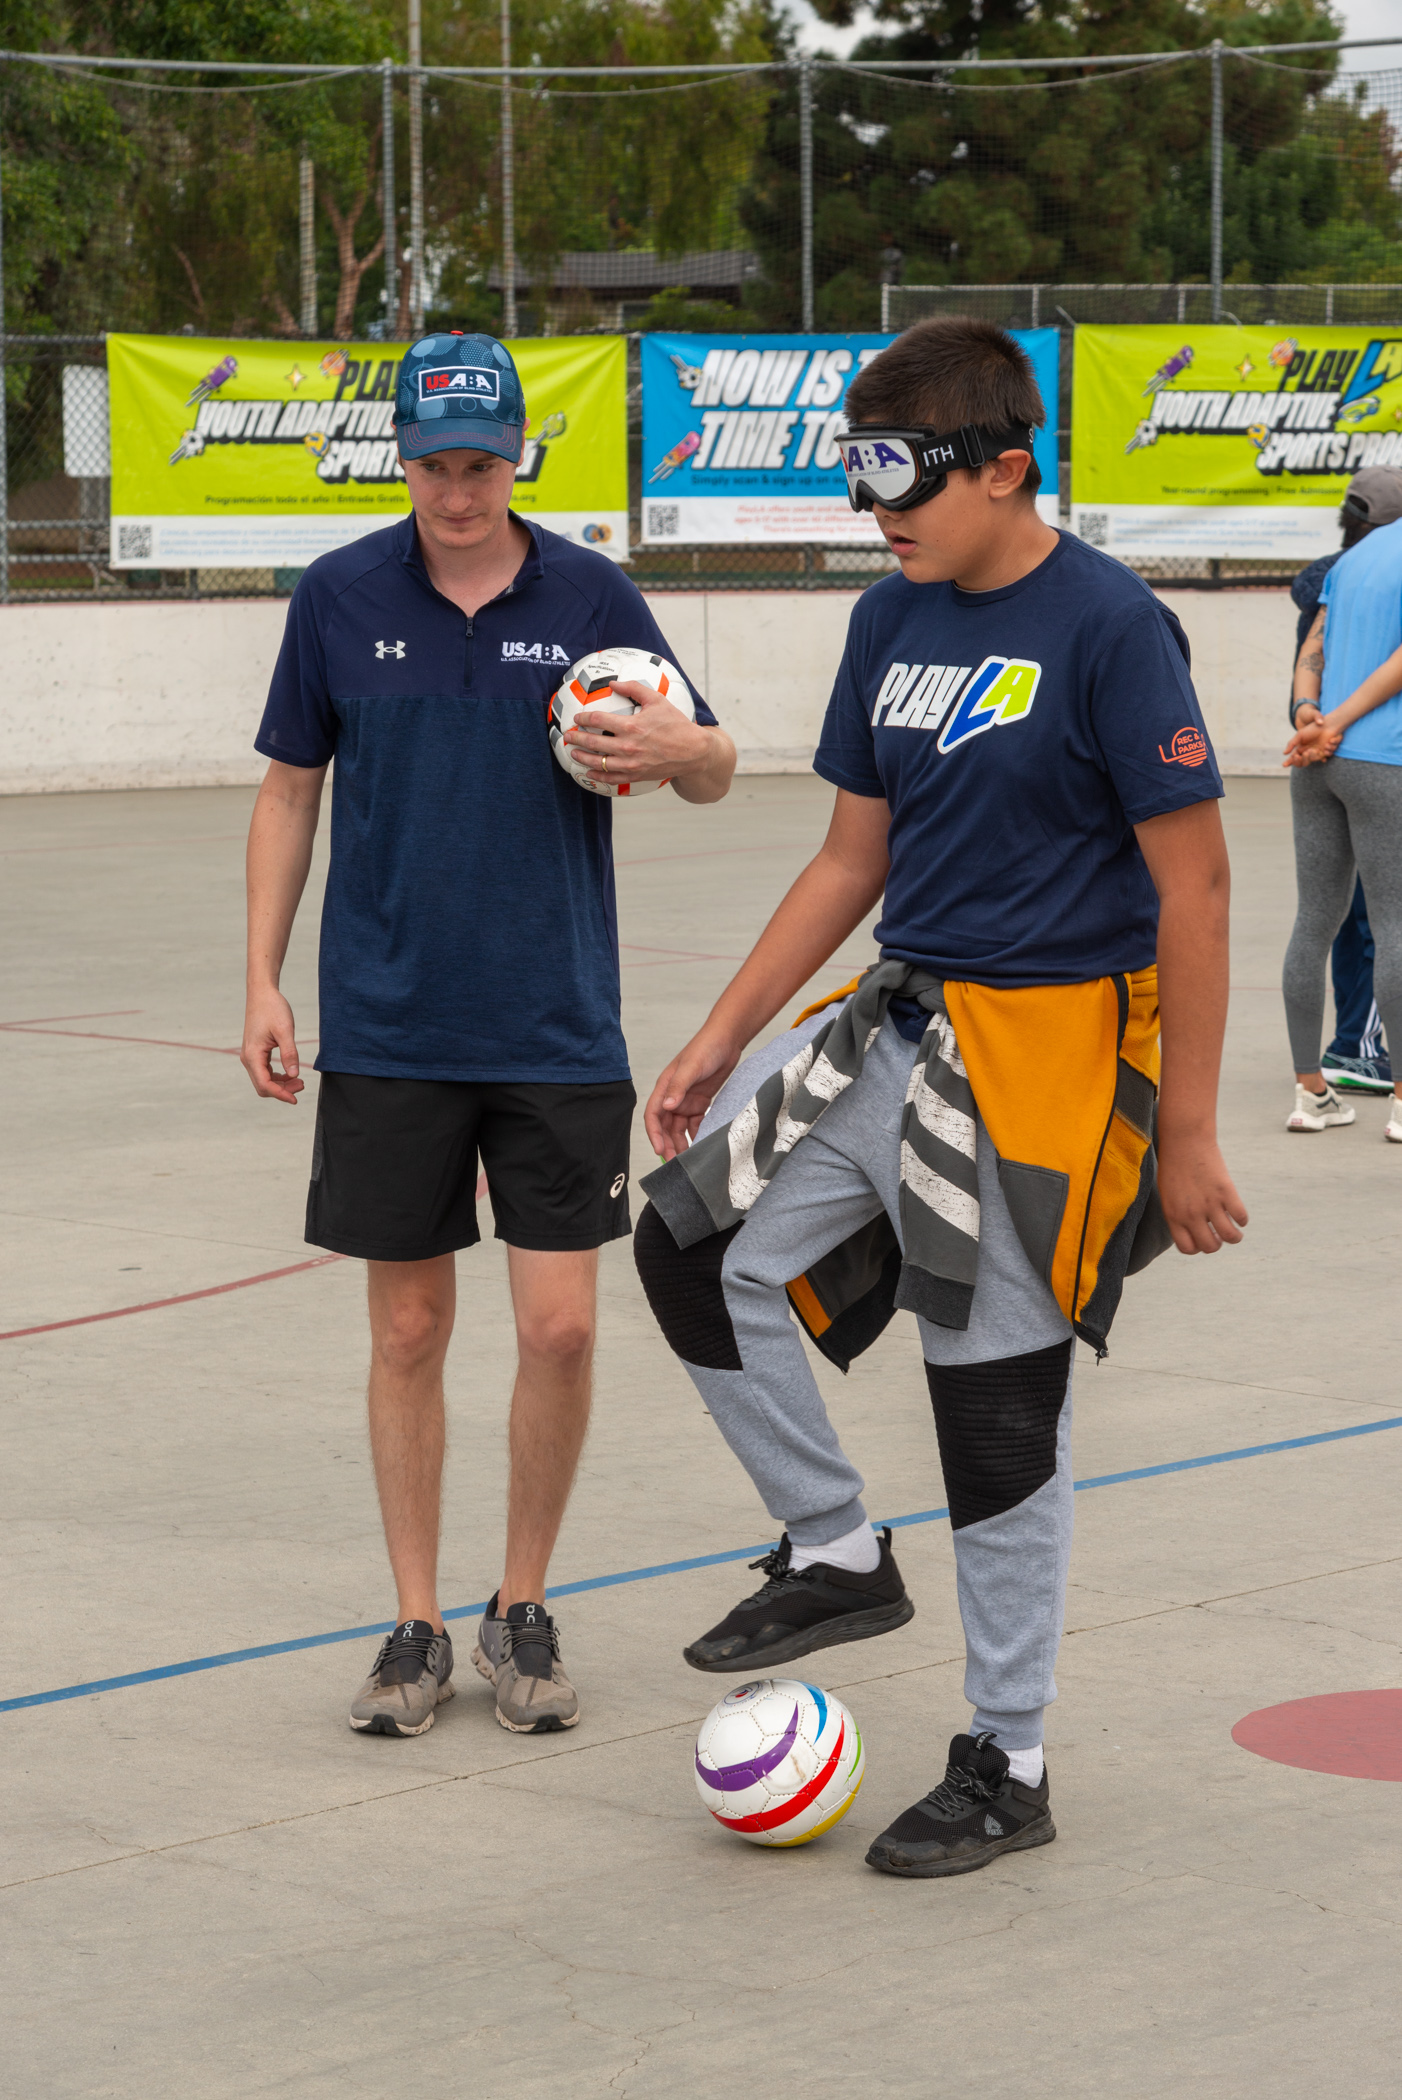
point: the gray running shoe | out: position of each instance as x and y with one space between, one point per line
1359 1075
520 1655
412 1676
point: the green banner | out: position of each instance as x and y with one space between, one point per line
240 455
1227 441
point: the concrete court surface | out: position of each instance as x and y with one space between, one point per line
212 1888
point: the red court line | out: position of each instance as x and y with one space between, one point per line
669 955
96 1035
203 838
117 1013
710 853
215 1290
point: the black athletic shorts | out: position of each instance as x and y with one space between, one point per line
394 1165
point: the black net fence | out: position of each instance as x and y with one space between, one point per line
767 195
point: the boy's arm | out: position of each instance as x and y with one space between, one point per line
1187 858
279 857
832 896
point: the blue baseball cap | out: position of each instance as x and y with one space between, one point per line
459 392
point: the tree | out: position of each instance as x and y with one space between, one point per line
600 165
948 180
63 154
179 209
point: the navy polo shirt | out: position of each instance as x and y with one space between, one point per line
469 929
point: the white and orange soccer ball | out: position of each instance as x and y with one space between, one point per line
590 687
779 1762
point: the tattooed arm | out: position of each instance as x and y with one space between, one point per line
1308 743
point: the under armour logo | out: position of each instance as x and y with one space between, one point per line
618 1181
384 649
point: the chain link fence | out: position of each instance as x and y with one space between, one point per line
739 192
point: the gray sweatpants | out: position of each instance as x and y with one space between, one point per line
1347 816
1011 1556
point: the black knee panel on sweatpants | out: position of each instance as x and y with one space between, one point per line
683 1288
996 1424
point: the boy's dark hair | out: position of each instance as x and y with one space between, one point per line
1354 528
949 372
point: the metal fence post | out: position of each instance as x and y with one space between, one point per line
508 181
387 211
1216 271
416 171
805 185
306 240
4 416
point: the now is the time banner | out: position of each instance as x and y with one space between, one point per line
740 435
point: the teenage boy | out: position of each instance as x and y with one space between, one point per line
469 977
1021 765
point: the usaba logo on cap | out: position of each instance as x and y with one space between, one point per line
459 392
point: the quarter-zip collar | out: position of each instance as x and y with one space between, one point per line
407 548
410 553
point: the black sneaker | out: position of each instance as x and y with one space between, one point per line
799 1610
975 1813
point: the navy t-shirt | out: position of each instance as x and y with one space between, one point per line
470 928
1018 735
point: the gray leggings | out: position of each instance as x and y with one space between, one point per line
1348 815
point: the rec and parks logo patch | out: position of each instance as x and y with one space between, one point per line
1189 748
461 382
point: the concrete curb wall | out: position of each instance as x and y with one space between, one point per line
151 694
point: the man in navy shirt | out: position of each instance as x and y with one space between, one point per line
469 977
1021 767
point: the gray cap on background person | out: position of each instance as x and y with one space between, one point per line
1375 496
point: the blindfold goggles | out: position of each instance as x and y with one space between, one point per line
900 468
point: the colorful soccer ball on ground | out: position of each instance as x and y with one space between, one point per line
589 688
779 1762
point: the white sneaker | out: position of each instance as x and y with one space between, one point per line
1323 1111
1394 1121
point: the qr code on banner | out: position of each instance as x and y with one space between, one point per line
1095 528
133 543
664 521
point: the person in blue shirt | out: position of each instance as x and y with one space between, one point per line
1024 781
468 976
1356 1060
1345 758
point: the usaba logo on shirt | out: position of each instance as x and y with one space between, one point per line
922 696
457 379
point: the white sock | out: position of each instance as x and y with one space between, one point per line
1025 1766
858 1551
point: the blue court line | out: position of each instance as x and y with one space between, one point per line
670 1567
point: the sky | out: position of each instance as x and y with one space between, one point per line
1360 17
